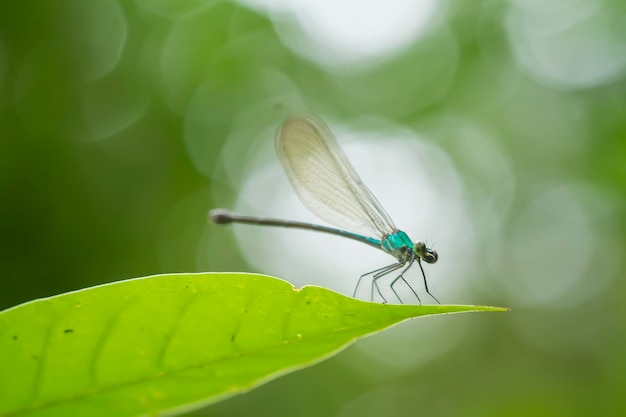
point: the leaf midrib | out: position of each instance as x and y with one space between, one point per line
162 374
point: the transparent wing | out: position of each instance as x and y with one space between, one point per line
325 181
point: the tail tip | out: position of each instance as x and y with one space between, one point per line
220 216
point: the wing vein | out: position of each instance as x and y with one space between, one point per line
324 179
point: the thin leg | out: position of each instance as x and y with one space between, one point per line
401 276
380 274
377 273
425 283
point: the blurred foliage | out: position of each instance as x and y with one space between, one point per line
114 118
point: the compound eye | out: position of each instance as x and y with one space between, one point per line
430 256
426 254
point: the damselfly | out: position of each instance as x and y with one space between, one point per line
329 187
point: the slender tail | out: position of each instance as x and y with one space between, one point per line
221 216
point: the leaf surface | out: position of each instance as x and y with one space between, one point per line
173 343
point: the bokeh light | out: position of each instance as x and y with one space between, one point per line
570 43
332 33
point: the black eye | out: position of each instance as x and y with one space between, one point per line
424 253
430 256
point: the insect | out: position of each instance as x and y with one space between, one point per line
329 187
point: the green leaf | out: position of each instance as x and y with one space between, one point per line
174 342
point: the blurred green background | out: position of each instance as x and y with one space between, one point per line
497 130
